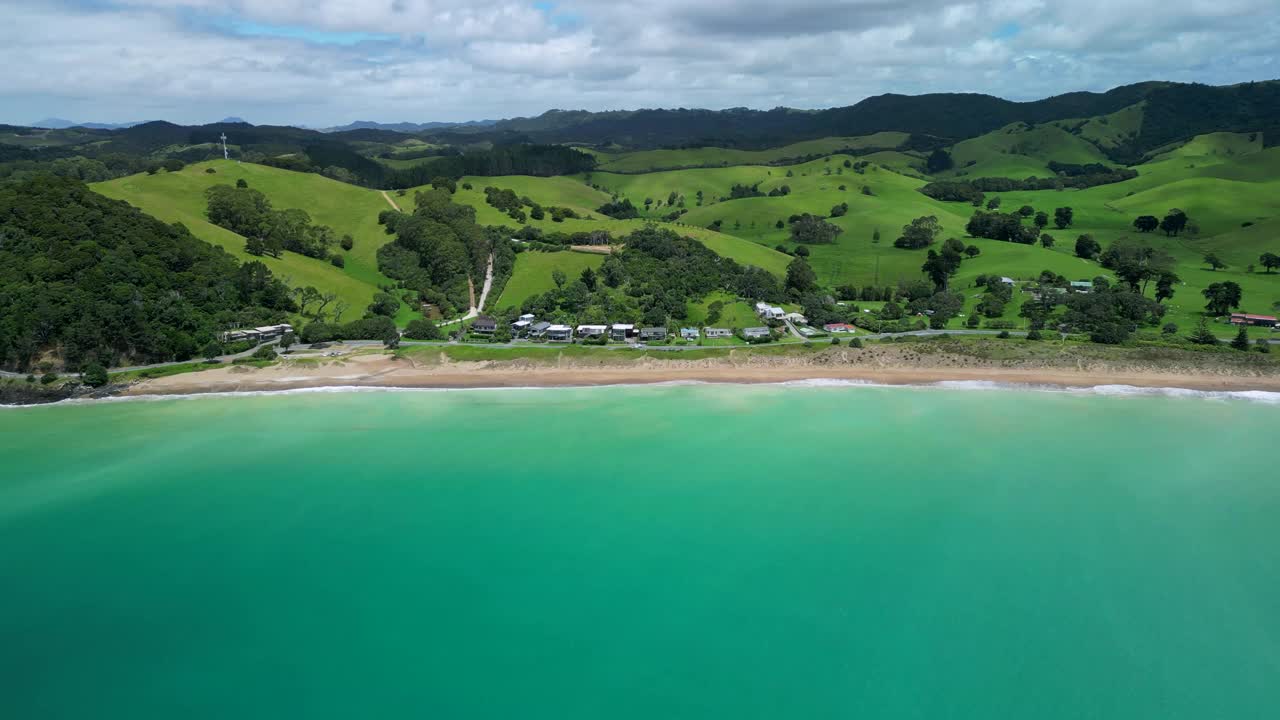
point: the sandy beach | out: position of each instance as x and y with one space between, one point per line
890 366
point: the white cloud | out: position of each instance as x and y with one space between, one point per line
198 60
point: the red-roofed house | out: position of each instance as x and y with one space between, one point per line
1258 320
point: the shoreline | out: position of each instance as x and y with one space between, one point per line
381 371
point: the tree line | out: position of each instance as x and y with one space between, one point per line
94 281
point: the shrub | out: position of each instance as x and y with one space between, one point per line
855 342
1004 335
95 375
422 329
1169 329
1034 335
48 378
210 171
338 261
266 352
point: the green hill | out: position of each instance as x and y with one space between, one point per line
179 197
1020 150
654 160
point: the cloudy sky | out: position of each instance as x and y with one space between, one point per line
326 62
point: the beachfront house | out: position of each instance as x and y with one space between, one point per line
717 332
484 325
621 331
591 331
1254 320
752 333
796 318
520 328
539 329
690 334
266 332
653 334
527 316
559 333
838 328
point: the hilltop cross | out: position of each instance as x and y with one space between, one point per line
224 147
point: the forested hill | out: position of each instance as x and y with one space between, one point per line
1173 111
85 279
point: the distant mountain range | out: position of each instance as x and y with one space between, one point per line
54 123
408 127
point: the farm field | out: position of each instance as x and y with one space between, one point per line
179 197
532 273
654 160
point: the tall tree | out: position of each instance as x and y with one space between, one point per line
1213 261
1221 297
1270 261
1146 223
1063 217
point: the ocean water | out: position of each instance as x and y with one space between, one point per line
655 552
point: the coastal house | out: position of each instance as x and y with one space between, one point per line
539 329
1082 285
266 332
752 333
689 333
559 333
1254 320
1008 281
621 331
484 325
589 331
839 328
520 328
770 312
527 316
717 332
796 318
653 333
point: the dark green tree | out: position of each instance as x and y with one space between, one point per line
1146 223
1221 297
1213 261
1270 261
1063 217
1241 341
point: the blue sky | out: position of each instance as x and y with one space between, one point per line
327 62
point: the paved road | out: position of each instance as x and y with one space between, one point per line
131 368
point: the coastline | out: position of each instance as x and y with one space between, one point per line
385 371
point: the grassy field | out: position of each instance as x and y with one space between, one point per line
532 274
652 160
1020 151
179 197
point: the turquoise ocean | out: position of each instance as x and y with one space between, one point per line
700 551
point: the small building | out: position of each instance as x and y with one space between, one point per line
484 325
796 318
559 333
527 316
520 328
752 333
1007 281
717 332
1254 320
689 333
592 330
539 329
839 328
1082 285
621 331
770 312
653 333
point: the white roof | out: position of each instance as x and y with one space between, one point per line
623 326
592 328
796 317
560 328
527 316
520 323
761 305
1006 280
266 328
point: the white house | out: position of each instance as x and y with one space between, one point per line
716 332
690 333
797 318
592 330
621 331
756 332
559 333
1007 281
